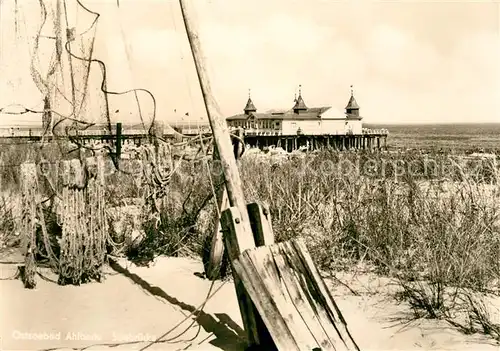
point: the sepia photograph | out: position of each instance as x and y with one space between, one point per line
236 175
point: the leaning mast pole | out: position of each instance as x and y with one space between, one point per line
222 142
217 123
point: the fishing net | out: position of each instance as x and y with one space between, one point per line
74 235
83 220
53 74
79 253
29 223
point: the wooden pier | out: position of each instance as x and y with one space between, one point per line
368 140
376 140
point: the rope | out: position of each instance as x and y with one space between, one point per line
161 339
199 309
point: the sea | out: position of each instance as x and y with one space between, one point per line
465 137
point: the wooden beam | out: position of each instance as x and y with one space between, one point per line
292 298
215 261
216 257
260 221
118 141
243 235
233 229
219 128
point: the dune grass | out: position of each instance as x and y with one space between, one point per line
429 221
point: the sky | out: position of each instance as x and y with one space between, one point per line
409 61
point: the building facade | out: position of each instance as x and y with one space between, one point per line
299 120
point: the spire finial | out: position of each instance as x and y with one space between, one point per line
250 107
352 90
300 89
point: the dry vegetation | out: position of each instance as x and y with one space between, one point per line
431 222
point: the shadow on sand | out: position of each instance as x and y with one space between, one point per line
229 335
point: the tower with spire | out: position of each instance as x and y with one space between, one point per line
250 107
352 108
300 106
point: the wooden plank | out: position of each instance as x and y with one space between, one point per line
261 298
260 222
299 297
292 299
315 301
268 270
234 232
336 317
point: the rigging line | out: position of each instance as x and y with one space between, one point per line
130 63
87 74
195 312
93 25
42 84
52 66
54 63
68 44
55 85
26 32
27 110
59 41
96 14
37 77
105 91
16 24
182 55
209 68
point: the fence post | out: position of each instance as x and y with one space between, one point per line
118 141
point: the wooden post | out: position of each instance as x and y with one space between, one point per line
118 141
257 333
260 221
214 265
234 229
244 238
218 126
